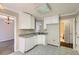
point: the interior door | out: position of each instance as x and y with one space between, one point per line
71 31
67 31
53 34
77 34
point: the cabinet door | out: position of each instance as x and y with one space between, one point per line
41 39
32 22
24 21
21 44
35 40
27 44
32 41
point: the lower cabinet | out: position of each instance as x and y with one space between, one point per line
41 39
26 44
32 41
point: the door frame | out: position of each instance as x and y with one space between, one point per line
74 32
14 17
15 49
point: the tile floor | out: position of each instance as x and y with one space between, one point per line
48 50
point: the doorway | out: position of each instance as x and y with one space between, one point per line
7 34
66 33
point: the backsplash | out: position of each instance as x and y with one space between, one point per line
26 31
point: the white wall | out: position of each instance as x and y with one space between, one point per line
6 30
53 34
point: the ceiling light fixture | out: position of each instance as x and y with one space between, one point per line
7 19
43 9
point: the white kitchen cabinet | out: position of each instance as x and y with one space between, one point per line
32 41
26 21
32 22
41 39
26 44
22 44
50 20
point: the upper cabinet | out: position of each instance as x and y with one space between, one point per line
32 22
50 20
26 21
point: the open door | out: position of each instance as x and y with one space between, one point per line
53 34
68 39
68 34
67 31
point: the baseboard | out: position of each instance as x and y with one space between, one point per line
53 45
31 49
41 44
6 40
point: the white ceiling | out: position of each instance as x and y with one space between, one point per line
56 8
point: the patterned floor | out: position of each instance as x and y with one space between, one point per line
48 50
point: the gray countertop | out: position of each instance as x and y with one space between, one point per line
26 35
31 34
